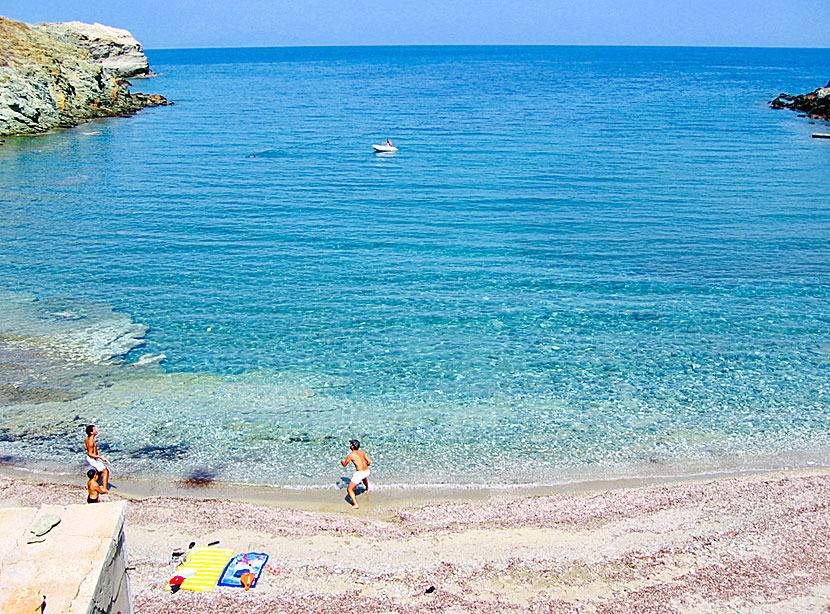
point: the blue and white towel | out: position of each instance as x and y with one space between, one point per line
252 562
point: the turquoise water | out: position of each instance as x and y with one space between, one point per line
581 261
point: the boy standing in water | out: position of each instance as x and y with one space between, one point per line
361 465
93 458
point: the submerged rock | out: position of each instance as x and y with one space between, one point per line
57 75
815 105
11 394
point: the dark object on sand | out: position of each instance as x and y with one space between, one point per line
213 543
431 589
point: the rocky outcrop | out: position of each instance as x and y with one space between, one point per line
57 75
816 104
113 48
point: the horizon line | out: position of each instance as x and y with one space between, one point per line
401 45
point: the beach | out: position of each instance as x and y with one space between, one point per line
754 543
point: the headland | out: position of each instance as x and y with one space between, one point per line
55 75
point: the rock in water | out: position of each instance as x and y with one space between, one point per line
816 104
54 75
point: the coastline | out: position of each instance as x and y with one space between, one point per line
316 497
752 543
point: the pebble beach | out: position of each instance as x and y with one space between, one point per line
739 544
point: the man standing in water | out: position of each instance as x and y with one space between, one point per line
94 459
361 466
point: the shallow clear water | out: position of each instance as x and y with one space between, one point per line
581 259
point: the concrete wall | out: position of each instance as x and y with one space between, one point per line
79 567
112 595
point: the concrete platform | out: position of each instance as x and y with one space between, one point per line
80 567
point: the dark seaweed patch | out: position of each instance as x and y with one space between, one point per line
199 478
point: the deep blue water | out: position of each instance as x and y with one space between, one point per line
580 259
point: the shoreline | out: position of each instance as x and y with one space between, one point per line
389 497
753 544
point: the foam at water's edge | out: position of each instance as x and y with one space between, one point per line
679 469
584 477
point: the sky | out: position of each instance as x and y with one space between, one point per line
255 23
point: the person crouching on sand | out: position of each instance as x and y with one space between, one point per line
93 490
361 469
93 458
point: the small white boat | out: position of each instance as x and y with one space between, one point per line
384 148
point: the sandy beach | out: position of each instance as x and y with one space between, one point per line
739 544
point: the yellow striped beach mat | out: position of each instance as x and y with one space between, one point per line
208 563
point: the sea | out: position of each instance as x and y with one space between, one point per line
582 263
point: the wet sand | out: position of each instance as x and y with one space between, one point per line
739 544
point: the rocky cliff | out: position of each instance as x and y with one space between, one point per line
816 104
60 74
